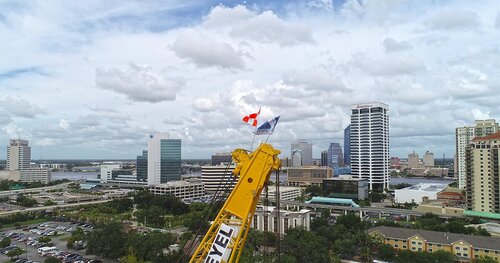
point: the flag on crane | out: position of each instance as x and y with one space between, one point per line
252 118
267 127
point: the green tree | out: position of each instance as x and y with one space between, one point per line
484 259
52 260
49 203
441 256
153 215
5 242
44 240
16 252
313 190
108 241
386 253
305 246
150 246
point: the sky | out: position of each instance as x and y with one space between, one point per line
91 79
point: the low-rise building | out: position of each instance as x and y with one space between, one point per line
266 219
440 210
192 188
308 175
452 197
416 193
287 193
428 171
30 175
346 187
465 247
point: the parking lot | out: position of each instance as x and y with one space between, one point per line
28 237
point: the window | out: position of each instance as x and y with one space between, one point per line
430 249
404 246
457 248
413 248
396 245
459 254
413 242
420 243
466 255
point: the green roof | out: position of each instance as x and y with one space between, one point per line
482 214
334 201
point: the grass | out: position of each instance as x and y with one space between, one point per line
28 222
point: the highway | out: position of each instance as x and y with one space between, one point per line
33 190
52 207
394 211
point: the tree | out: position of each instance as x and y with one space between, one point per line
305 246
441 256
313 190
485 259
52 260
108 241
150 246
16 252
152 216
386 253
5 242
49 203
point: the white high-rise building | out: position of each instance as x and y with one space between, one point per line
370 144
464 136
428 159
18 155
164 159
107 171
218 178
305 150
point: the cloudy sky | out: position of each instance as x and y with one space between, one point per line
90 79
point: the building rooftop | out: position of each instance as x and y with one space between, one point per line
346 178
181 182
426 187
491 243
494 136
332 201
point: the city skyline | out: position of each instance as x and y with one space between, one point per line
93 80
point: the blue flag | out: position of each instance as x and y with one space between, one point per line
267 127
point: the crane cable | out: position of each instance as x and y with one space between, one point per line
206 214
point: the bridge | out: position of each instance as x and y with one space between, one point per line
34 190
51 208
362 211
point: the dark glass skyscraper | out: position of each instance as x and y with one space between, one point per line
170 158
142 167
335 156
347 145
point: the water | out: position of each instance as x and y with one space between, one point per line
73 176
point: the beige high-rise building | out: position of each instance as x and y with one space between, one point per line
18 155
428 159
413 160
464 136
482 170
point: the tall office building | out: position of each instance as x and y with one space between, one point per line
413 160
335 156
305 149
464 136
296 158
347 145
482 161
18 155
428 159
164 159
370 144
324 158
218 178
222 158
142 167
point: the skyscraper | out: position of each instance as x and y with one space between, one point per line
222 158
347 145
142 167
428 159
482 174
164 159
18 155
335 156
305 149
413 160
324 158
464 136
370 144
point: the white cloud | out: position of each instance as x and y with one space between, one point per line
205 52
452 19
204 104
316 78
20 107
392 45
138 83
224 16
389 65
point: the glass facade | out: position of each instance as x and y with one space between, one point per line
340 189
170 160
347 145
142 167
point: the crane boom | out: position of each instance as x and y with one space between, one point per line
225 239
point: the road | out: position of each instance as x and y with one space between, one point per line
33 190
52 207
357 209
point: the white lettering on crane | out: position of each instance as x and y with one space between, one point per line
218 250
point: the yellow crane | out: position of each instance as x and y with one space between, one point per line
225 239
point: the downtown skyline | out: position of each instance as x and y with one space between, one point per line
94 79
